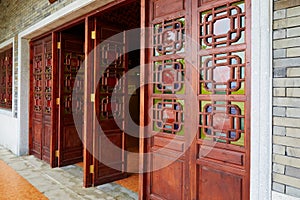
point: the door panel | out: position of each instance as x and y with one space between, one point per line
110 66
200 53
41 103
70 107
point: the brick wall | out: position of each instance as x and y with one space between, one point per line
16 16
286 101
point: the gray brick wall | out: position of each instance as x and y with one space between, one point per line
286 97
16 16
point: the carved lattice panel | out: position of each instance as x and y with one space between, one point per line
222 121
6 79
111 109
168 76
72 63
222 26
223 73
112 62
48 85
169 37
37 83
168 116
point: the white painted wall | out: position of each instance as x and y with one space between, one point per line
8 131
8 123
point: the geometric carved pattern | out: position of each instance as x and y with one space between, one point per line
169 37
222 26
48 80
168 76
72 64
168 116
6 79
37 83
109 109
112 60
222 121
223 72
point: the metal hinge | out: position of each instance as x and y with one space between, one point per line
93 97
92 169
58 45
5 100
57 101
93 35
57 153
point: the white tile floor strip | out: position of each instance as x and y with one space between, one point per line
62 183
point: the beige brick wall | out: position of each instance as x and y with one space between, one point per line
286 97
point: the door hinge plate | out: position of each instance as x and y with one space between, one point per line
93 35
92 169
57 101
57 153
58 45
92 97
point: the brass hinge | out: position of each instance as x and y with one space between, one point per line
58 45
57 153
92 169
6 58
92 97
57 101
93 35
5 100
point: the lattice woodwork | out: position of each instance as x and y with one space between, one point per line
169 37
72 63
37 83
223 73
48 83
222 26
223 121
168 116
6 79
168 76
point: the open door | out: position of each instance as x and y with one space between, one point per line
71 58
109 162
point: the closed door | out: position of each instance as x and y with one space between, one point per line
198 103
42 108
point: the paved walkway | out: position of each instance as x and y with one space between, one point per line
61 183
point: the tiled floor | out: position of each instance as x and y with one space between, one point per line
58 183
13 186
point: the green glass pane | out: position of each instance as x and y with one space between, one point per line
241 141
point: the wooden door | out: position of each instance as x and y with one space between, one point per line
109 138
71 82
198 102
42 108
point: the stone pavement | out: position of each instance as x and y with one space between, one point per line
63 183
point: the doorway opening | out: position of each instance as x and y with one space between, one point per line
55 62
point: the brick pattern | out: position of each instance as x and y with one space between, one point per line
286 97
16 16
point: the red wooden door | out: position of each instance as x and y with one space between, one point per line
109 67
199 100
70 99
42 109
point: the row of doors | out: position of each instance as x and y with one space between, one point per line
197 107
57 102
